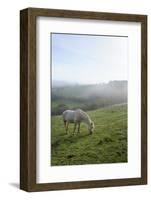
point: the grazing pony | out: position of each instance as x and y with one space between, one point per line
76 117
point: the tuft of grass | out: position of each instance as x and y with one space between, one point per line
108 143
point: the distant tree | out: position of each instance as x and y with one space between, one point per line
59 109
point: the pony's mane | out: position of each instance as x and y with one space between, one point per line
84 114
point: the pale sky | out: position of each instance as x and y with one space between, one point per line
89 59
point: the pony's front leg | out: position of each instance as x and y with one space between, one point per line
75 125
78 127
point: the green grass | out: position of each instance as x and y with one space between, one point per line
108 143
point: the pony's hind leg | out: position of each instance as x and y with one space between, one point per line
67 125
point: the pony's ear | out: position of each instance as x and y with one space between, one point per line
92 124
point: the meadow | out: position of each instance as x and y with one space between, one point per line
108 143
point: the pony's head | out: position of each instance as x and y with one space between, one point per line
91 127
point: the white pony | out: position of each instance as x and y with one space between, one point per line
76 117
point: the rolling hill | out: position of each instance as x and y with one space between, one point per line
108 143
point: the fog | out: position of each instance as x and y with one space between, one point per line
88 97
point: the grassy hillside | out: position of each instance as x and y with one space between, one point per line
108 144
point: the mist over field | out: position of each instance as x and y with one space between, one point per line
88 96
106 104
89 72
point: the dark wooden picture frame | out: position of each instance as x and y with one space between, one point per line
28 98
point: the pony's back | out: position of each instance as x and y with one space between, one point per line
68 115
